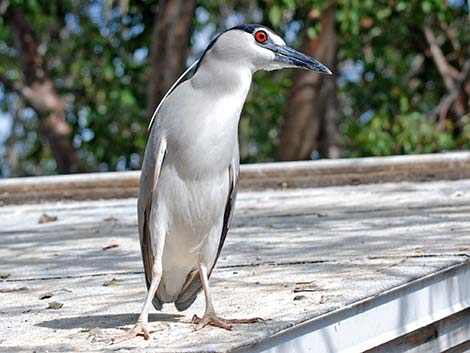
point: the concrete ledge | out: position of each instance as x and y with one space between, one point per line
443 166
400 312
344 269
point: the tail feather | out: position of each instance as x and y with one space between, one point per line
157 304
191 289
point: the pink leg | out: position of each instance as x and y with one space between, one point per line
210 317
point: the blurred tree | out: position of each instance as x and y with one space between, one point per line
95 55
402 82
169 48
312 114
456 103
403 64
38 90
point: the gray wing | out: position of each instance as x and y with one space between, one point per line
151 168
234 173
193 285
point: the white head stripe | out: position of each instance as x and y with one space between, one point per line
275 38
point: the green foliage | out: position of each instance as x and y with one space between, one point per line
262 117
405 134
387 107
97 55
93 60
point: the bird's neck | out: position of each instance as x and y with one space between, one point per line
220 78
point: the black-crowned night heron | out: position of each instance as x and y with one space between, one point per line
190 170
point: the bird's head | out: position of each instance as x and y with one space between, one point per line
261 49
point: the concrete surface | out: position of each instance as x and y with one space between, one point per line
291 256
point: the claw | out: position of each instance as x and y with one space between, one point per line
214 320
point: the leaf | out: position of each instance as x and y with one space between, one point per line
300 297
367 22
46 295
112 246
426 6
45 218
384 13
290 4
55 305
312 32
113 282
275 15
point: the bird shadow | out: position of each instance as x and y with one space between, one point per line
105 321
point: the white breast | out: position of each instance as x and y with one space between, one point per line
199 121
194 211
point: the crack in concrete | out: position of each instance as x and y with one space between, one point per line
259 264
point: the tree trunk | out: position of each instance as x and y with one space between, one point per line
170 45
454 105
312 116
38 90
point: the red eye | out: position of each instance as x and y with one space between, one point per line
261 36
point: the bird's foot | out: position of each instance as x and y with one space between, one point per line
213 320
140 329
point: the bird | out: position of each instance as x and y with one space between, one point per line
191 167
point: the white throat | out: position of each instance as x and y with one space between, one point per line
220 78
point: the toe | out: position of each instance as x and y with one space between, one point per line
138 330
245 321
196 319
223 325
146 332
214 320
200 326
122 338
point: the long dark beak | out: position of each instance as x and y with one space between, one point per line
297 59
